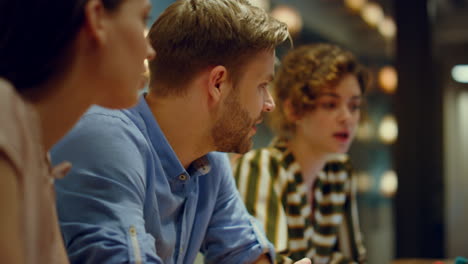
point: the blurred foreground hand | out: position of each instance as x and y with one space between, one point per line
303 261
263 259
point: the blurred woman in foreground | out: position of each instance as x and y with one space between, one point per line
57 58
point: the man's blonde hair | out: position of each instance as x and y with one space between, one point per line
192 35
304 73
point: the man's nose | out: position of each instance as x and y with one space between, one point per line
269 103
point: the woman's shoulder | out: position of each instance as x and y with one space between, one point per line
13 107
6 90
262 154
16 124
10 100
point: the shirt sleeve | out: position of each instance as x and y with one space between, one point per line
257 178
349 233
100 202
233 235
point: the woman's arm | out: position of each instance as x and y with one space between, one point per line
11 247
350 232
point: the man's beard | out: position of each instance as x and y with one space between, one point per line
230 133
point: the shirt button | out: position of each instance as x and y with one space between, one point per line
182 177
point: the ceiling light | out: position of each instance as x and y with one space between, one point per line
460 73
290 16
372 13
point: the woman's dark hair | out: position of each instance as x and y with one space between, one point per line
36 37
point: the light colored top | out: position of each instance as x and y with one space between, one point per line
128 199
20 142
327 231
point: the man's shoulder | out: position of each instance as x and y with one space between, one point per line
102 136
102 128
106 123
218 160
101 114
219 168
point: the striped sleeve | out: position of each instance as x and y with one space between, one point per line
256 174
350 236
336 216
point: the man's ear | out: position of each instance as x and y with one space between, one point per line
217 83
95 21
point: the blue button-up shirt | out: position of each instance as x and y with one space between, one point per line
128 199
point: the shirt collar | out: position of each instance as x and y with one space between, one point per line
169 161
201 166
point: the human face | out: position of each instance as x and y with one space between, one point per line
331 126
126 52
244 106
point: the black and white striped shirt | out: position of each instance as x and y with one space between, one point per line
271 185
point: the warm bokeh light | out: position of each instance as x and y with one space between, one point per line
290 16
388 129
365 131
372 13
387 27
263 4
364 181
388 79
355 5
389 183
460 73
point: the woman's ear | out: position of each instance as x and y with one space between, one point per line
217 83
95 15
289 111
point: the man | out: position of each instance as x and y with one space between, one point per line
145 185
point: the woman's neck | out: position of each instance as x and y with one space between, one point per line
310 160
60 109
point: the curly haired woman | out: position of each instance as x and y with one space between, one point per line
301 186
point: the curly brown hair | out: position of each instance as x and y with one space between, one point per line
304 73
